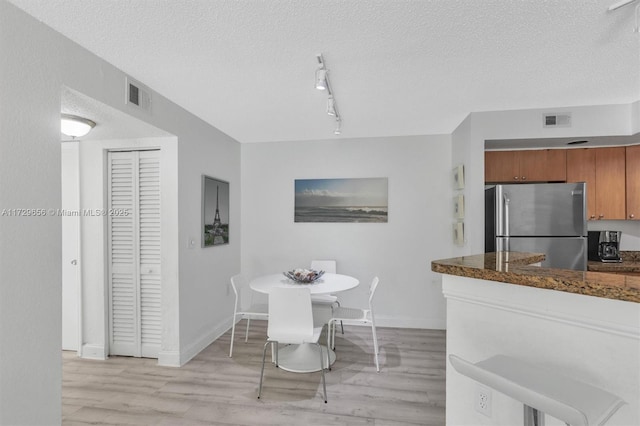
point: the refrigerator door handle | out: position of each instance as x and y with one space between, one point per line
502 244
505 219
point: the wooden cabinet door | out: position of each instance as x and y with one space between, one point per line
543 165
540 165
610 181
501 166
581 167
633 182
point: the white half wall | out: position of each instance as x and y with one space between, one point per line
590 339
399 252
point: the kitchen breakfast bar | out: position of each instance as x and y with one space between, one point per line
580 327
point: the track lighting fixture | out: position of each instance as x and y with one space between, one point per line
321 79
619 4
74 126
623 3
322 83
331 106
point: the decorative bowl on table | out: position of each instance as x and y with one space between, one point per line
303 276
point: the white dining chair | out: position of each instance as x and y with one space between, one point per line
325 299
258 311
291 322
355 316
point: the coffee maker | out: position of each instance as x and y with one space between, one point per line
604 246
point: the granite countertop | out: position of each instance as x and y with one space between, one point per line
516 268
630 263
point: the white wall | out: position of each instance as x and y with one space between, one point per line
399 252
30 247
35 64
206 302
468 145
463 153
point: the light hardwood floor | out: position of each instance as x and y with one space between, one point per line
213 389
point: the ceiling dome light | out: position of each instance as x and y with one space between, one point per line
74 126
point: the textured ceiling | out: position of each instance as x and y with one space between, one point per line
397 67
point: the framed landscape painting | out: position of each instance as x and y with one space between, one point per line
341 200
215 211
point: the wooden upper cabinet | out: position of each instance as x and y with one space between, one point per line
501 166
603 169
544 165
633 182
610 183
581 167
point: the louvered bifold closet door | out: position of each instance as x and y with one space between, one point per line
134 253
149 225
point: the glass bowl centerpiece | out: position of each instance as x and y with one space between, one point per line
303 276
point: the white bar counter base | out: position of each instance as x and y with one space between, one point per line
595 340
550 392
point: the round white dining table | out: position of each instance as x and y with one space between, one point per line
326 284
304 358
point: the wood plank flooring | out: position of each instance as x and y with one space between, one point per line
213 389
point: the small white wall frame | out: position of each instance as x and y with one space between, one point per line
458 206
458 177
458 233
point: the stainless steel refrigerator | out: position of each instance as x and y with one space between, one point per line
547 218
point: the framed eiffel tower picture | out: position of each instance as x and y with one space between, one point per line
215 212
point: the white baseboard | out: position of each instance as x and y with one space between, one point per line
196 347
91 351
169 358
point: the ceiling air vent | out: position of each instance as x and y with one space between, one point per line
137 95
556 120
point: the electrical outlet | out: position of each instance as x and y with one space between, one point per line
483 400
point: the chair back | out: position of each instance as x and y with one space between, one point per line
328 266
290 315
372 290
244 294
238 282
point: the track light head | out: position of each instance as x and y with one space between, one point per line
331 106
338 129
321 79
619 4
